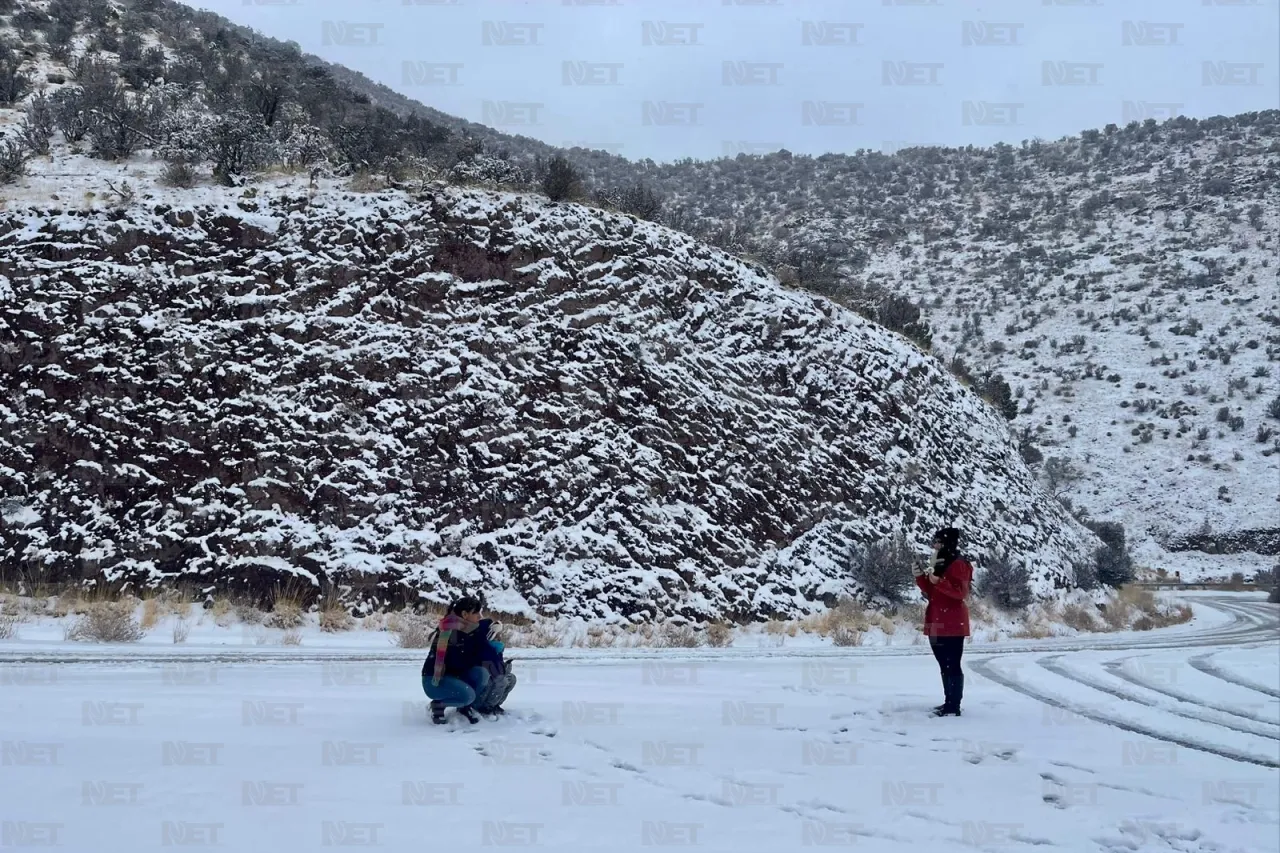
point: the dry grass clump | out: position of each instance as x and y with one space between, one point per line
1034 628
285 613
79 601
292 637
1079 616
9 626
671 635
106 622
410 630
181 630
597 637
845 623
980 611
177 602
537 636
150 613
719 635
845 635
244 613
334 617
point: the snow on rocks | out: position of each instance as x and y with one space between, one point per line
581 413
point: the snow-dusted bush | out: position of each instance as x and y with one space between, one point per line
38 124
1113 564
1005 583
70 115
14 155
106 622
884 569
411 631
560 181
14 82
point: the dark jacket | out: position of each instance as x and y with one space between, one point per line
456 651
490 654
947 614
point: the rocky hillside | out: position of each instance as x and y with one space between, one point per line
1122 282
584 413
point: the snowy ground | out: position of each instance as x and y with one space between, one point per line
1168 740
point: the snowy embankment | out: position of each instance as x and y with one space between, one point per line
731 756
387 397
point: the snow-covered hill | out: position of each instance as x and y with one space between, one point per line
1090 272
583 413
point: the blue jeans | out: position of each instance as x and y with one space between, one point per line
457 692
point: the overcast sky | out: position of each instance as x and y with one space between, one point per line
703 78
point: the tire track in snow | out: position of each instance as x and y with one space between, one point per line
1202 663
984 668
1116 668
1051 664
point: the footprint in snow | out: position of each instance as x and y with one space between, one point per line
622 765
1071 766
707 798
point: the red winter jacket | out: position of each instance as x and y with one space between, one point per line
947 615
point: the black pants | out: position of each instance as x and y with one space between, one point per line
948 651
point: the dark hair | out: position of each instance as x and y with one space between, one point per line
949 540
948 537
466 604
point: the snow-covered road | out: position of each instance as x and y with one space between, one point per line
1165 741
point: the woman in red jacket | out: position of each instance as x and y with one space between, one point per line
946 620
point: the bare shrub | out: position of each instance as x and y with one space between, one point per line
1005 584
106 622
538 636
979 611
8 627
719 635
1079 617
597 637
677 636
846 635
14 155
181 630
1034 628
411 631
179 174
884 569
246 613
292 637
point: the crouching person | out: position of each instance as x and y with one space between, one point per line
455 675
501 678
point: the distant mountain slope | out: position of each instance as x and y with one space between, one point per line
1056 264
590 414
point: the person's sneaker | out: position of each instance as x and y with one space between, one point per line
470 714
437 713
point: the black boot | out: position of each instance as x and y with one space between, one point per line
946 711
437 713
470 714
